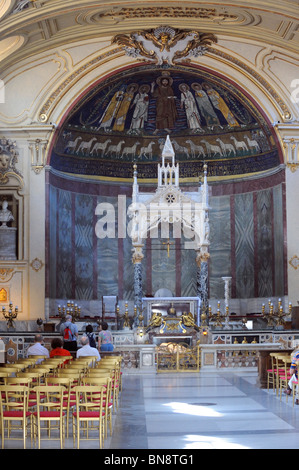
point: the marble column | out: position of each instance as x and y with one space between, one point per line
138 294
226 300
202 280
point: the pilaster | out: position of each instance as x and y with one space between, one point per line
23 279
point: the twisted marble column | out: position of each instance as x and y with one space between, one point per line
202 280
137 258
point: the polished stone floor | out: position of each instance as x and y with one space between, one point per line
207 410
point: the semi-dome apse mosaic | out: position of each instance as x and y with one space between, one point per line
126 118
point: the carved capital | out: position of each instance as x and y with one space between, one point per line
137 256
202 256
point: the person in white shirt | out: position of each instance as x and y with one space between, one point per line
87 350
37 349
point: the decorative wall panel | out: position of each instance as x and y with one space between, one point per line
246 243
265 253
220 244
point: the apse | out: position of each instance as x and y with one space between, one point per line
126 117
123 120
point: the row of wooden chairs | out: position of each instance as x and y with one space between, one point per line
65 392
278 376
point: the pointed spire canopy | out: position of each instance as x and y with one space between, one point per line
168 148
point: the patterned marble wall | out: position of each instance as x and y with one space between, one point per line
247 231
220 244
243 245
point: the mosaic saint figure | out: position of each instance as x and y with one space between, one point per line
111 110
140 113
188 102
205 107
120 117
219 103
166 113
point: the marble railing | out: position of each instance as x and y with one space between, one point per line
233 356
225 352
285 337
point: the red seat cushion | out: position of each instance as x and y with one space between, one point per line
15 414
49 414
88 414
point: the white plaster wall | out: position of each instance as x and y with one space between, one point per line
292 197
34 81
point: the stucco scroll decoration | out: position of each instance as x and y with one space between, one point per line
6 274
8 160
165 44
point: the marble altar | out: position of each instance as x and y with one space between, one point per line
162 304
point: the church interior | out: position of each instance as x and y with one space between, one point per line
148 180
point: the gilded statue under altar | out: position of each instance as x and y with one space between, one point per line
171 322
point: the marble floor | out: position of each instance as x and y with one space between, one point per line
215 410
203 411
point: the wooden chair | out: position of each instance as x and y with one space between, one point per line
34 376
91 360
16 366
108 400
74 375
271 376
14 412
80 366
115 374
52 364
284 377
3 375
69 398
114 362
25 381
279 368
38 358
64 359
29 362
89 409
49 411
43 371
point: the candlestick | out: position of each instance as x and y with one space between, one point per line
11 315
276 318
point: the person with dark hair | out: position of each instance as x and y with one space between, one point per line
91 336
105 338
57 349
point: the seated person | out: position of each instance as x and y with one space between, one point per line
57 349
87 350
37 349
293 373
